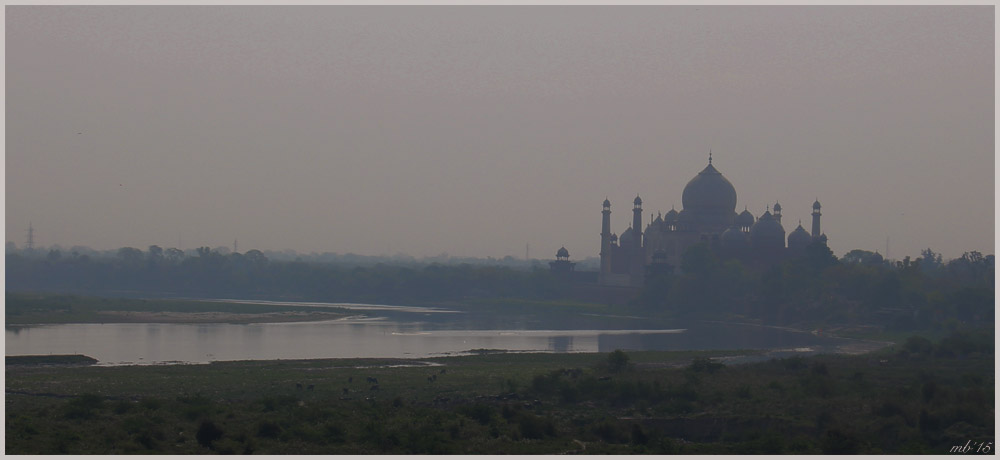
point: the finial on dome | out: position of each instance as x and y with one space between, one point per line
709 156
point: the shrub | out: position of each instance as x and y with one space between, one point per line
705 365
794 363
930 389
479 412
824 419
617 361
151 403
533 427
770 443
961 343
569 393
122 407
888 409
268 429
333 432
83 406
917 344
928 421
609 432
639 436
837 442
208 433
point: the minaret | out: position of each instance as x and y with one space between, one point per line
606 239
815 230
636 257
777 211
31 237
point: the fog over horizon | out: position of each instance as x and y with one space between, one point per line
474 131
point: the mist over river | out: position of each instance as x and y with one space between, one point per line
384 331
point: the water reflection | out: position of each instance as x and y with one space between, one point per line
561 344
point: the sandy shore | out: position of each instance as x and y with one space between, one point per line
213 317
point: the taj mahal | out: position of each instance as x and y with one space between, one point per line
708 215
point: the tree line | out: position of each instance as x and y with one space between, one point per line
253 275
815 287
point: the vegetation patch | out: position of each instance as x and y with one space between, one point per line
49 360
32 308
896 401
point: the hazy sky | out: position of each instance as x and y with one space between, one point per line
477 130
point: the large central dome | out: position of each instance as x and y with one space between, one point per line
709 191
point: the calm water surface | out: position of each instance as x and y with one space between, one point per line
398 332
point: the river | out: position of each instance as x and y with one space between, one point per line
384 331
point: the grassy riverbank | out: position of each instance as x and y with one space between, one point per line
920 397
29 308
50 360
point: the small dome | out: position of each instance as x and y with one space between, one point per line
709 191
767 232
658 220
671 216
799 238
626 236
614 237
637 200
562 252
816 204
607 203
777 207
745 219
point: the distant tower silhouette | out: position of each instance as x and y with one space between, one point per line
562 263
637 260
31 237
815 230
777 211
606 239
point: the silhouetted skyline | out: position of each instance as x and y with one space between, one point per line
477 130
